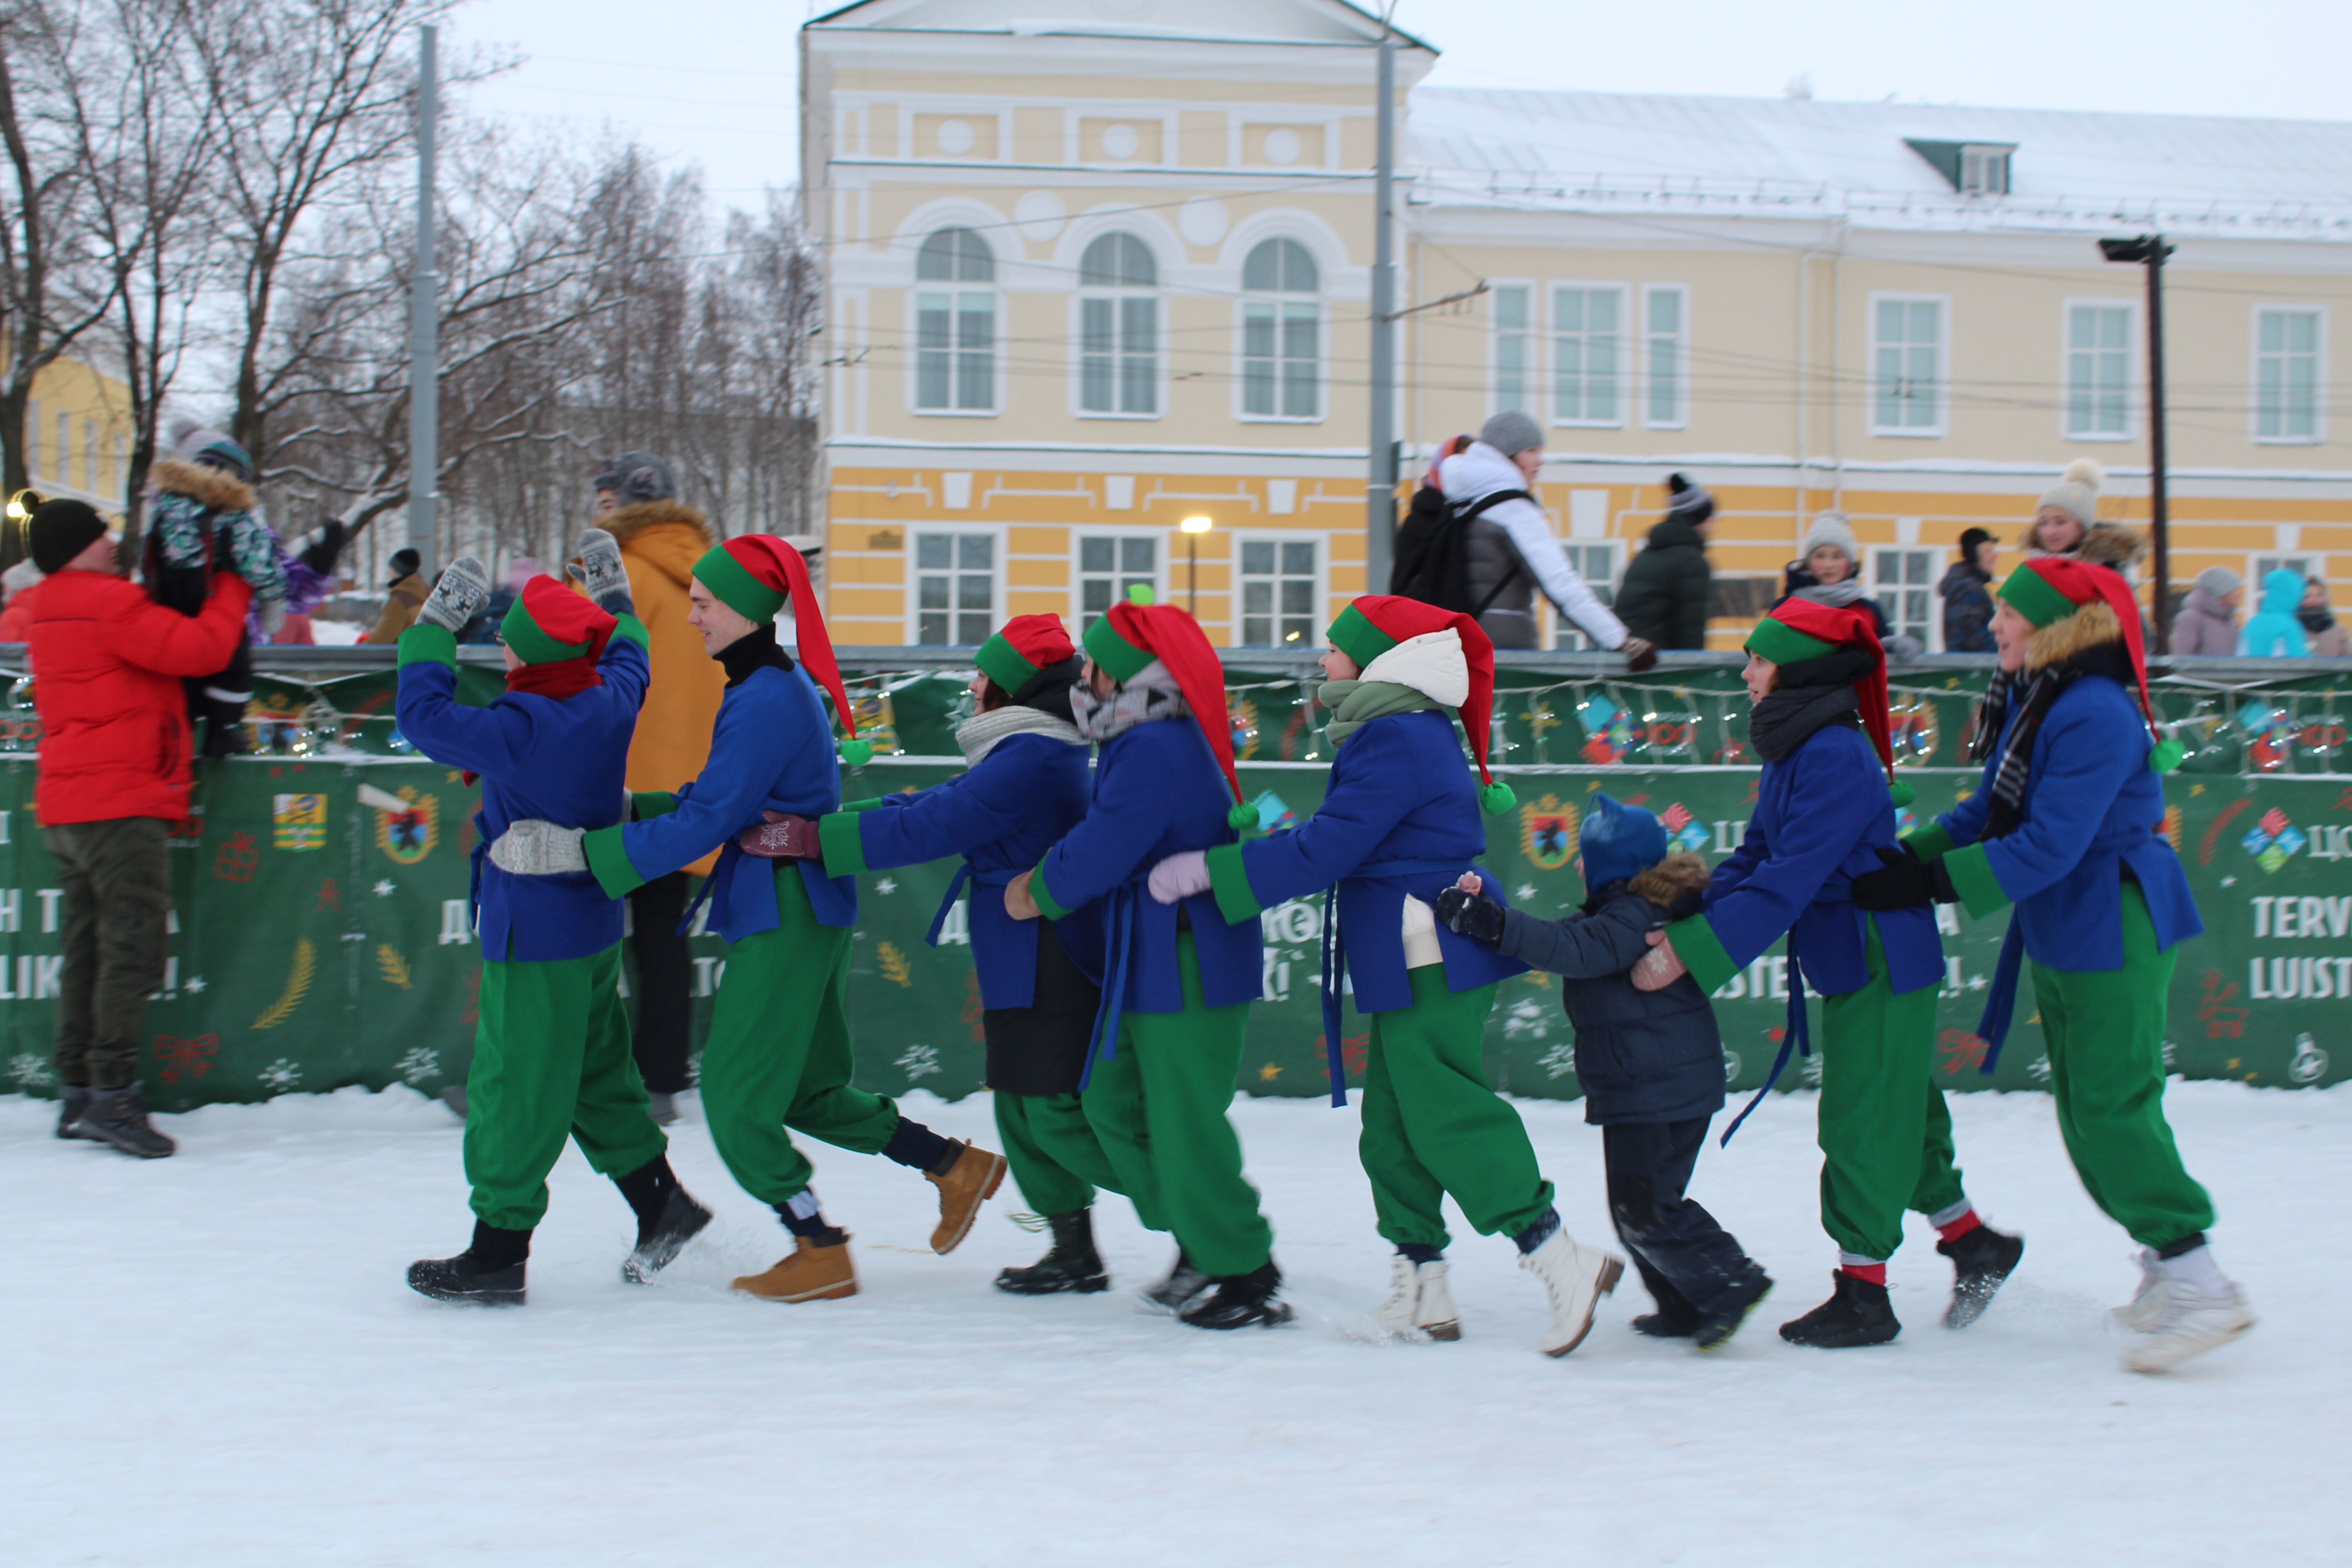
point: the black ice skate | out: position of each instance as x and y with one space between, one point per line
1184 1283
1981 1258
1240 1300
1857 1313
1072 1265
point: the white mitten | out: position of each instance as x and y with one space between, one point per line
1180 876
458 597
534 848
601 572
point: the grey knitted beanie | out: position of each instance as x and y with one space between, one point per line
1511 433
2219 580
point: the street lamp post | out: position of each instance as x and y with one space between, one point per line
2149 250
1194 528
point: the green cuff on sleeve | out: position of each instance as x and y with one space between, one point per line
1052 908
634 630
610 862
1702 952
1930 842
874 803
648 804
1972 878
840 843
423 644
1229 880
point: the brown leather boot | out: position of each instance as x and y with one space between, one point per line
971 1182
812 1273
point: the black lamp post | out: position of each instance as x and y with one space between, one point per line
2149 250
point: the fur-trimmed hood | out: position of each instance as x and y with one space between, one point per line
207 487
1673 878
666 535
2111 544
624 522
2061 640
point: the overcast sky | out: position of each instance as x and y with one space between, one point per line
711 81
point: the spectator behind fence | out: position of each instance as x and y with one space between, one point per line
2325 637
2272 631
2067 510
1829 572
16 619
405 596
1664 598
114 779
2206 624
1966 591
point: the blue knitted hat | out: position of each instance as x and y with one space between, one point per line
1618 841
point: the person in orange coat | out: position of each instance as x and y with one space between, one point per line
114 778
661 539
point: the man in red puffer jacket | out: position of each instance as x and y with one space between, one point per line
107 664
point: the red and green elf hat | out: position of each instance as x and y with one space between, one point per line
754 574
1134 634
1021 647
1800 629
549 623
2048 590
1375 623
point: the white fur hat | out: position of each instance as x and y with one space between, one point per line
1832 529
2078 492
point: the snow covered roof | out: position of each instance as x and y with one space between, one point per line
1596 152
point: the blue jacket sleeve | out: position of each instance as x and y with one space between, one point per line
2080 764
1812 843
949 819
747 757
1354 818
496 740
1609 940
1129 818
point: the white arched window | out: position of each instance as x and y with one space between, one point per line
1282 329
955 327
1119 327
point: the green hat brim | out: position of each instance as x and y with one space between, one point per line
1003 664
2036 598
1354 635
732 585
1118 658
530 642
1781 643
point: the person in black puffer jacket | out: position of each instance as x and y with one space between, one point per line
1665 597
1651 1062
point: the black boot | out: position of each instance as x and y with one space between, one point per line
1184 1283
1241 1300
1981 1258
1729 1309
1668 1324
119 1117
1072 1264
486 1274
668 1217
1857 1313
72 1101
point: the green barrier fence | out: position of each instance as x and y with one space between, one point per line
322 935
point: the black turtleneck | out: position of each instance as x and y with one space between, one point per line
755 649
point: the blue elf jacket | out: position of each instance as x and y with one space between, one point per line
2092 806
1400 790
1822 814
1158 792
1000 817
557 759
770 749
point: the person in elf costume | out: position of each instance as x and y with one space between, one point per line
1178 979
1026 789
2067 827
1399 823
551 1049
1818 680
778 1054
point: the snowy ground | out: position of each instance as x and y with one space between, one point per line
212 1360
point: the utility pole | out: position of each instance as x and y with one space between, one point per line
424 329
2149 251
1379 489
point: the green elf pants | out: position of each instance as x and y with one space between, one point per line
1433 1125
779 1055
1158 1107
1055 1156
551 1056
2104 1031
1884 1133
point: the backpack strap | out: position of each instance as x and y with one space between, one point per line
1472 509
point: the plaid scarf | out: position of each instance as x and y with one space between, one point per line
2041 687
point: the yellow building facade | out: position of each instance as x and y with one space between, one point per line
77 434
1096 267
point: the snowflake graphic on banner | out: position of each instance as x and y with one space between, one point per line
1559 1061
1525 1018
280 1076
2273 841
918 1062
30 1071
418 1066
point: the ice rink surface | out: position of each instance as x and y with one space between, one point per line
213 1360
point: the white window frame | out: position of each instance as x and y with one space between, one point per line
2254 374
1283 303
1566 634
1530 335
1679 417
2067 352
2305 564
1079 298
956 290
914 627
1940 427
1319 597
1626 371
1932 621
1163 574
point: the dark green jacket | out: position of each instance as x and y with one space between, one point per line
1665 597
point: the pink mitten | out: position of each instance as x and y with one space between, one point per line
781 836
1180 876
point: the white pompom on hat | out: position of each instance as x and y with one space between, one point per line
2078 491
1830 528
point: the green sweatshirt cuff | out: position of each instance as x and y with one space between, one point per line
423 644
1229 880
1702 952
610 862
1972 878
648 804
840 843
634 630
1929 843
1052 908
874 803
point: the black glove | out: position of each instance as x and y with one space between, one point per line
1903 883
1471 914
325 548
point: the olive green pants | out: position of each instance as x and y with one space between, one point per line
117 878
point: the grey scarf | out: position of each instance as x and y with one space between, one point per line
1152 694
979 734
1837 595
1356 703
